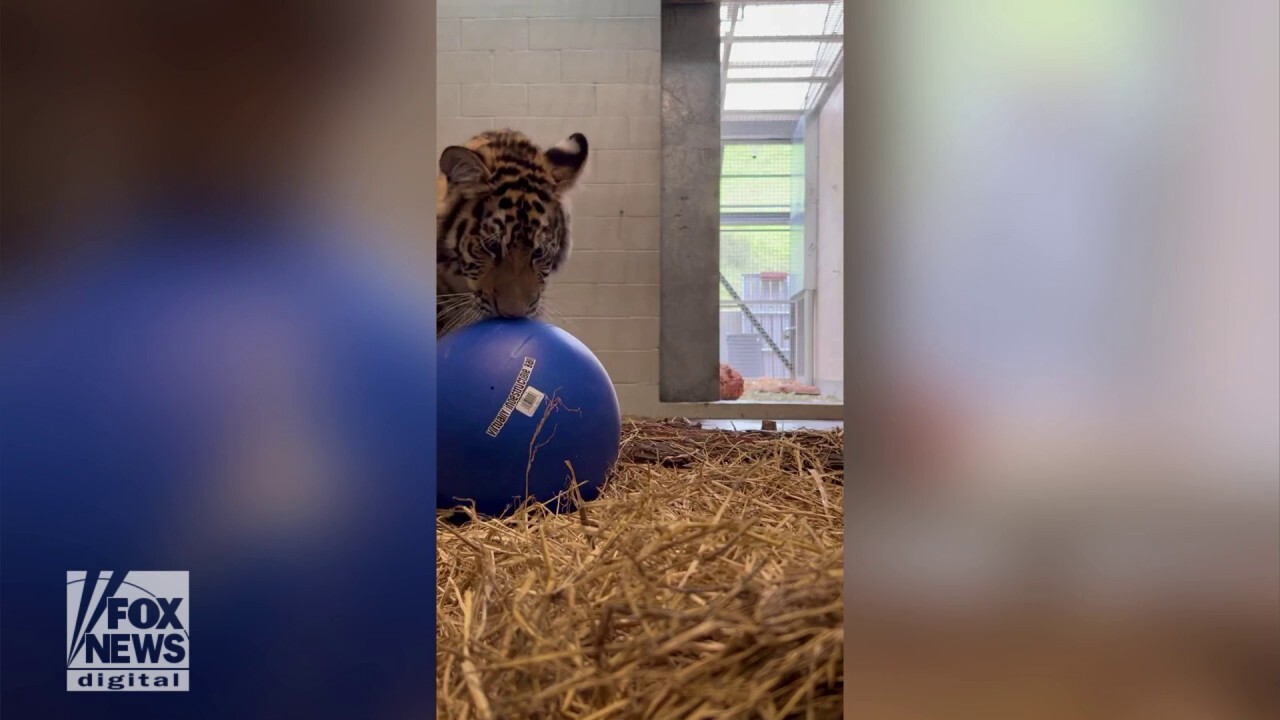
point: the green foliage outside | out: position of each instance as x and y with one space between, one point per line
755 179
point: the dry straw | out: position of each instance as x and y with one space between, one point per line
705 582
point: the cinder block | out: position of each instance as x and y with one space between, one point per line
447 101
638 399
464 9
568 299
640 200
645 8
543 8
630 166
494 100
604 133
642 268
634 334
561 34
627 8
513 66
641 233
630 100
448 35
599 200
495 35
610 266
627 34
596 266
644 133
644 67
562 100
628 301
630 366
464 67
594 66
595 233
594 333
581 268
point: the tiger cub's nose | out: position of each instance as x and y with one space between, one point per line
510 306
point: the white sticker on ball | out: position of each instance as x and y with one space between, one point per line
530 401
513 398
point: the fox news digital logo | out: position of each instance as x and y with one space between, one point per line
127 631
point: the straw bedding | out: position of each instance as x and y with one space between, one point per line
705 582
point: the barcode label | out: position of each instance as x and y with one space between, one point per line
530 401
514 398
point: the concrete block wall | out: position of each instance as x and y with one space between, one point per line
550 68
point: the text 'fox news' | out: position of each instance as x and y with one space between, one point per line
127 631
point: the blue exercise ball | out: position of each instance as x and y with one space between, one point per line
521 402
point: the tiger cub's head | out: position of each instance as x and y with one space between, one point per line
502 226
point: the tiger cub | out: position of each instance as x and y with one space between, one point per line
502 227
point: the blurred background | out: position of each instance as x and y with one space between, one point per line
1079 216
217 345
1065 353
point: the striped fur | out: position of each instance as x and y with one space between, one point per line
502 227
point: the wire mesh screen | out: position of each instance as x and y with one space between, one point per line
757 326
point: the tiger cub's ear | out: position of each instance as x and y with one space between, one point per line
464 168
567 160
